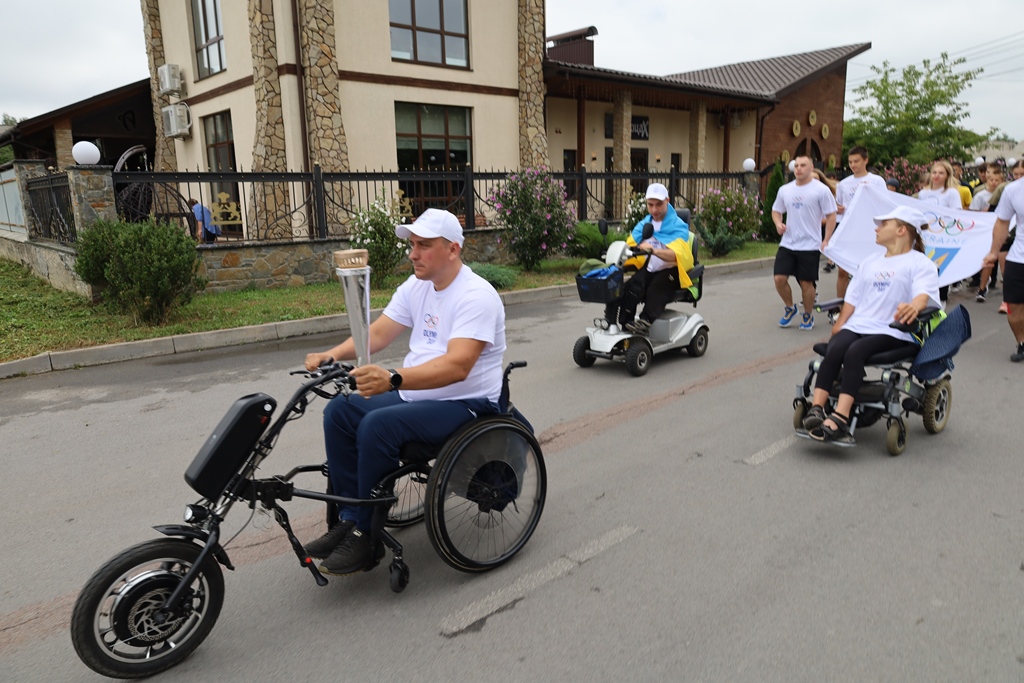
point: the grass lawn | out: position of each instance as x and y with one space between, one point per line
35 318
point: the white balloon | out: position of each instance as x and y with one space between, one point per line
1010 162
85 153
792 165
979 161
749 165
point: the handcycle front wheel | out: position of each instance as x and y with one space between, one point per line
485 494
116 626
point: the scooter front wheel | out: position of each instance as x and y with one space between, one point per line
118 627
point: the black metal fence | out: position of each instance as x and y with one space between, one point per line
318 205
50 204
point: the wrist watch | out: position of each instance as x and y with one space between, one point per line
396 380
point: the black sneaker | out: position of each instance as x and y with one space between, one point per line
325 545
638 326
353 555
1019 356
981 296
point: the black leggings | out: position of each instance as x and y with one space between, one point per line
848 351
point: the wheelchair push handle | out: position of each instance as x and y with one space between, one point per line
921 319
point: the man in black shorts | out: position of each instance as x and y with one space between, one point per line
1011 204
806 202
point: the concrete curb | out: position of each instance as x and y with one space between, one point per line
185 343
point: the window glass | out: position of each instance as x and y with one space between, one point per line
455 16
455 51
405 118
429 31
428 14
208 37
401 43
401 11
458 121
428 47
432 119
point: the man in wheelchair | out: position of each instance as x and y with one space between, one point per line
892 286
452 374
668 261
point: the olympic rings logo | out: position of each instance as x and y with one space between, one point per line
884 275
430 320
947 224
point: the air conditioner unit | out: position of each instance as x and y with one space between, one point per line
177 120
168 77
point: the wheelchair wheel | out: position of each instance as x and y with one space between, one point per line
799 413
638 357
896 438
579 352
937 403
411 490
699 344
485 494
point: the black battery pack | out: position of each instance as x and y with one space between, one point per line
230 445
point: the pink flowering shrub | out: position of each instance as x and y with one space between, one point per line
738 211
909 175
532 207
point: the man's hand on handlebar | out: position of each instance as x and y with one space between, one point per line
315 360
371 380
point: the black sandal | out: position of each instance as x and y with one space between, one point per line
814 417
840 435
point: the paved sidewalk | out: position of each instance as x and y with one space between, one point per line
198 341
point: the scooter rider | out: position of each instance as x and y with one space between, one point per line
665 271
452 373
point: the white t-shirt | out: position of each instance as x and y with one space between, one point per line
806 206
1012 204
468 308
980 201
848 186
882 283
948 197
654 264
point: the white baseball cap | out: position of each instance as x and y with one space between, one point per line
433 223
657 191
905 214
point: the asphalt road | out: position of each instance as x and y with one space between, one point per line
687 534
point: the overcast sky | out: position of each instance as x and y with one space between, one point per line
56 52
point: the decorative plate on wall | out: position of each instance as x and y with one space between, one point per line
812 118
796 128
824 131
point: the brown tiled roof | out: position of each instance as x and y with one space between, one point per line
769 78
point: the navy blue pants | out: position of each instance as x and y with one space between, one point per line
364 435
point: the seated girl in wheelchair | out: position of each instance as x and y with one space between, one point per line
892 286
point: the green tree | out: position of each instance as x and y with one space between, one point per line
7 152
915 114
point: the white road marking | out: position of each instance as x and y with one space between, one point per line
462 620
766 454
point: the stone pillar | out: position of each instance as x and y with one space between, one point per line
328 145
92 195
166 157
698 136
533 139
63 142
23 170
269 212
622 133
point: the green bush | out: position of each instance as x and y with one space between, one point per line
538 220
739 211
767 231
373 229
501 277
588 242
95 246
716 237
147 269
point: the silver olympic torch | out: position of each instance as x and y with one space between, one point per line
353 270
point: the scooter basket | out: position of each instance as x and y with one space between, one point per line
600 290
230 445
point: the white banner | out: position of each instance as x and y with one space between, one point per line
956 240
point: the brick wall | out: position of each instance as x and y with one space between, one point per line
826 96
